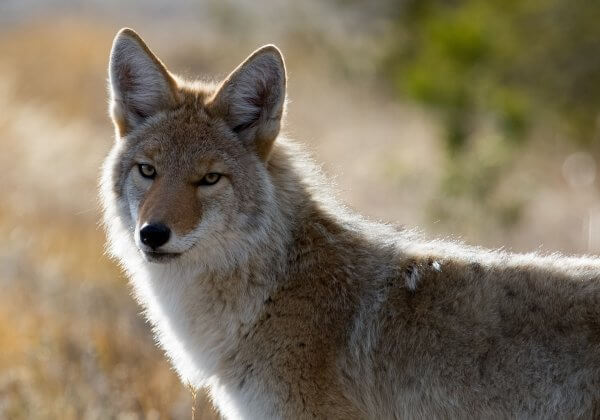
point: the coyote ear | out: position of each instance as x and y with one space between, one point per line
140 85
251 100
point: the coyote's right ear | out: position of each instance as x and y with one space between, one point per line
252 99
140 85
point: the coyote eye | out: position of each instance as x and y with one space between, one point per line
147 171
210 178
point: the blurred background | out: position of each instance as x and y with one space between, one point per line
476 120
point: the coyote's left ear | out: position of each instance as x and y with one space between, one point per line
251 100
140 85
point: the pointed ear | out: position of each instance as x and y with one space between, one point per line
140 85
251 99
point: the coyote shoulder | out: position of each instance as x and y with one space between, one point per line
285 305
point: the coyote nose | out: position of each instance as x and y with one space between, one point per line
154 234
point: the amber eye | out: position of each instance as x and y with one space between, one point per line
147 171
210 178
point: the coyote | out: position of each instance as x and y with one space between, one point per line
285 305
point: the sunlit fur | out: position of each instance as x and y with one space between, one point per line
286 305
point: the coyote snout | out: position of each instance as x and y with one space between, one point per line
153 236
166 209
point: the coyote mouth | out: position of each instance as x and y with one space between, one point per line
159 257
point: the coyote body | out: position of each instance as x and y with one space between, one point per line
285 305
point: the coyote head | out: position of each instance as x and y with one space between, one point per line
188 170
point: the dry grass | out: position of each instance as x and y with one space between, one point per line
73 343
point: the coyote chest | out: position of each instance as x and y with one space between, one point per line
197 333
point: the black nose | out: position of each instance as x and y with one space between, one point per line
154 234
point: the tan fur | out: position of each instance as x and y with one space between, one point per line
287 306
175 204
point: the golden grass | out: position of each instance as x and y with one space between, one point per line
59 62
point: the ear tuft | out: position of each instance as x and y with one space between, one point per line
140 85
251 99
